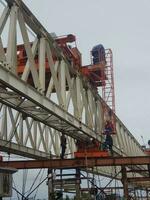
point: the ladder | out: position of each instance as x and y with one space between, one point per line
108 93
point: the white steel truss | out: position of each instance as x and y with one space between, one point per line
33 116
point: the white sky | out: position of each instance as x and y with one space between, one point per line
123 26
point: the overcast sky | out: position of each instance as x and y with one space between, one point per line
123 26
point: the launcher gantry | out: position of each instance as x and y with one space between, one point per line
45 91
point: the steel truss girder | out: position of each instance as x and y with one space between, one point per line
32 103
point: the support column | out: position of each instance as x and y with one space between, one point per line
149 169
147 194
125 183
78 192
141 194
134 193
50 185
138 194
147 190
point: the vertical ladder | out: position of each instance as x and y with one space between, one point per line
108 93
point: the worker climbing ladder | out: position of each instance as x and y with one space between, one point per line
108 93
102 60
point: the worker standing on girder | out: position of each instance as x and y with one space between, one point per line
63 143
108 144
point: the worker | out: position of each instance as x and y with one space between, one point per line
108 128
108 144
63 143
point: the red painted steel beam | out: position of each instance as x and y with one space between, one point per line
80 162
65 39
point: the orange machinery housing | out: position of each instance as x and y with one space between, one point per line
90 150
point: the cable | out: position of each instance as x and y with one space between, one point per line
34 181
26 198
99 180
16 189
25 173
18 192
94 184
38 187
101 190
111 180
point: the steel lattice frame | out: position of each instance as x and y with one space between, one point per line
32 118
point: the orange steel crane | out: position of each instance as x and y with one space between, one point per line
99 73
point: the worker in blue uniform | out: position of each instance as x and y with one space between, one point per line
108 144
